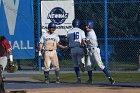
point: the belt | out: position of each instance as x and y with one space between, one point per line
92 48
49 50
77 47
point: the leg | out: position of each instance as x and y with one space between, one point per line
90 77
76 67
56 65
81 62
89 69
108 75
47 63
97 57
18 63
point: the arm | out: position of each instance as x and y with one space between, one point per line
10 56
9 49
84 43
40 48
61 46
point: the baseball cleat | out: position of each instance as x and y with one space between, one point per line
78 80
112 81
57 80
47 81
82 67
89 81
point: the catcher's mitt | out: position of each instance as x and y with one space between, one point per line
11 68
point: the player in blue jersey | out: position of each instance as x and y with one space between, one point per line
76 38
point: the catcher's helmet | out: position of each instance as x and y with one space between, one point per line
11 68
52 25
89 23
76 23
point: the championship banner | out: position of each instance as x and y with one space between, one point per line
17 25
59 11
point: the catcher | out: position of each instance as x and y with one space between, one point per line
5 49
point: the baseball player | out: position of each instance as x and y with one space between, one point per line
94 52
5 49
49 41
76 39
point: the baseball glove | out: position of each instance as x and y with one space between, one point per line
12 67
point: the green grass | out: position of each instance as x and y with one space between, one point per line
97 77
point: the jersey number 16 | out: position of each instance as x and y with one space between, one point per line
76 35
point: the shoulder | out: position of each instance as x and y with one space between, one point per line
45 34
55 34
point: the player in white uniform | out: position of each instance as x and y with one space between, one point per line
76 39
94 52
49 41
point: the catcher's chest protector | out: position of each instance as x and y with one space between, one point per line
2 49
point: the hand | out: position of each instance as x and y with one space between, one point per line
65 47
39 53
11 64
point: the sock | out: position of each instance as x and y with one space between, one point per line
90 74
46 74
57 73
106 72
77 71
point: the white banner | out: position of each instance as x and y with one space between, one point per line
59 11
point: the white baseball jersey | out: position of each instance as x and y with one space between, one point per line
50 44
75 36
92 39
94 51
49 41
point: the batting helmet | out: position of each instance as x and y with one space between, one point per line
51 25
89 23
11 68
76 23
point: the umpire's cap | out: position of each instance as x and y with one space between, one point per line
89 23
52 25
76 23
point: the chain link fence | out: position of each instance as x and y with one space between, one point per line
123 17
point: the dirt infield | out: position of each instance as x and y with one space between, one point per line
81 90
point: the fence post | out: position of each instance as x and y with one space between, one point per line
39 28
106 33
139 57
